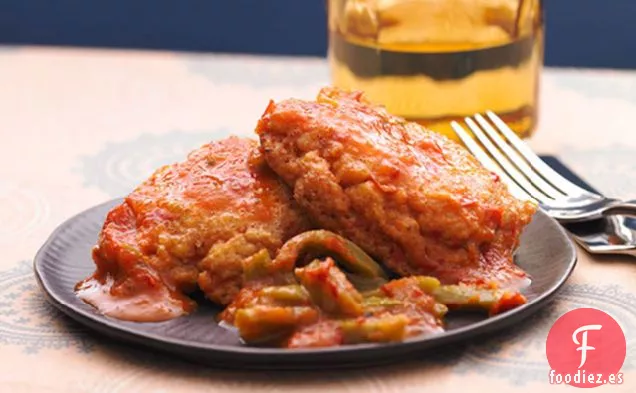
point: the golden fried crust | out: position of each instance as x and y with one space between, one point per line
409 197
190 225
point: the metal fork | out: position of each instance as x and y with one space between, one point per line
528 177
614 234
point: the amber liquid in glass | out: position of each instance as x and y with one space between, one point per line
434 61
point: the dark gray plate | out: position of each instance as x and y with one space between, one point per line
546 253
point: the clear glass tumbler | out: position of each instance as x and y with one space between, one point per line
433 61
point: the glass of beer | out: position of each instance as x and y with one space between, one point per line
433 61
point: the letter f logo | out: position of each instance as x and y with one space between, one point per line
583 344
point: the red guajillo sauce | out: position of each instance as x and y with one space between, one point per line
318 306
143 306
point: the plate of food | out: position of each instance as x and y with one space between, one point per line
340 235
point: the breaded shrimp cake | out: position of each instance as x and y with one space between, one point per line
411 198
189 226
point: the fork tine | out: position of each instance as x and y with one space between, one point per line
540 167
487 162
512 155
505 164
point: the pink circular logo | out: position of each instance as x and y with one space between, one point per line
586 348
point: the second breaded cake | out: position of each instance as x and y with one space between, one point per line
411 198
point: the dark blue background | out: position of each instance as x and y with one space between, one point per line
593 33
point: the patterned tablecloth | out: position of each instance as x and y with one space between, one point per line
83 126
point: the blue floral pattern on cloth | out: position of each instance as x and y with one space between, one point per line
27 320
22 210
519 353
272 73
119 167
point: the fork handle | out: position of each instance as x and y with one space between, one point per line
627 208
